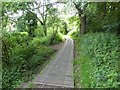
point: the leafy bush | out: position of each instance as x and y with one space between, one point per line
24 54
97 61
23 63
24 59
59 38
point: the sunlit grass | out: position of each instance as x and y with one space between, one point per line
82 70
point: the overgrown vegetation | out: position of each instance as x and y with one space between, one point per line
26 41
96 62
22 59
97 45
29 28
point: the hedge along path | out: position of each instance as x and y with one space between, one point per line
59 72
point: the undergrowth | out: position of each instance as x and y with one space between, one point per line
96 61
22 57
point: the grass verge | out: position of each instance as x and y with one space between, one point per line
96 61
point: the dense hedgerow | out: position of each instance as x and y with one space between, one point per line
96 64
21 59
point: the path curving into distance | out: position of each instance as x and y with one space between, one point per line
59 72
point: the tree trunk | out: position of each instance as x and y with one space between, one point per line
53 37
82 18
45 29
82 25
44 26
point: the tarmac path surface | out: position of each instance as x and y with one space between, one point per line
59 72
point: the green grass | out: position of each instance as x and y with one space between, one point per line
82 70
96 60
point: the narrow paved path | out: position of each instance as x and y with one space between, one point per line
59 72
